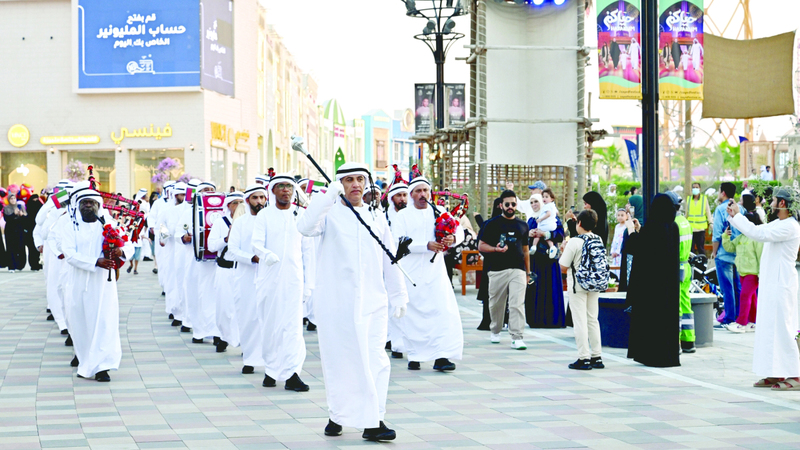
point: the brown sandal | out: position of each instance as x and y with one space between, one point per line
789 384
766 382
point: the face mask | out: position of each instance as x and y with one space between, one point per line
695 191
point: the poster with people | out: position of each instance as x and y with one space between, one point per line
424 109
680 66
455 114
619 49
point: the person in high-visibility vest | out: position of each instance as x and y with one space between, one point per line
698 212
685 243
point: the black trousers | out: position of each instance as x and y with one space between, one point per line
699 242
33 252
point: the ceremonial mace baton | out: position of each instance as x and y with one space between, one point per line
297 145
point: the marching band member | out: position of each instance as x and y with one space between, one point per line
246 298
94 310
154 221
198 284
351 303
281 250
398 200
172 247
45 220
432 327
263 180
218 242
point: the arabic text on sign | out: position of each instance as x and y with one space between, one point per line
141 133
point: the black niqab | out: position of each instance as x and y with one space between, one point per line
654 290
598 204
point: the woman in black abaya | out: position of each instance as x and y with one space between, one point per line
653 292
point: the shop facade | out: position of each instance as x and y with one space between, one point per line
52 125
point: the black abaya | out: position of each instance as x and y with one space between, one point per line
653 292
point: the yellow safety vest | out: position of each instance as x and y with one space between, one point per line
697 213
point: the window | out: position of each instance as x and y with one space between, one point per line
103 163
145 163
218 166
380 154
398 153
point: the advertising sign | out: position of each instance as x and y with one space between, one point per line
455 115
424 109
619 49
217 56
129 45
633 156
680 58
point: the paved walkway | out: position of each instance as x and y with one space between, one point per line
170 393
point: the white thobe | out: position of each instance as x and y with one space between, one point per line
144 239
224 284
45 219
198 284
94 312
280 287
634 52
154 220
57 296
240 248
775 352
355 283
697 53
175 251
395 333
432 324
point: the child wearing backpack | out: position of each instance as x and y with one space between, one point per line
584 260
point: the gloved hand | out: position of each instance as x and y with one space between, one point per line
334 190
271 259
399 312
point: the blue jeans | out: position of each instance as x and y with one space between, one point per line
731 286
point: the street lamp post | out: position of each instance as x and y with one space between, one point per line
438 35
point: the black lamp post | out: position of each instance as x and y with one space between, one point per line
438 35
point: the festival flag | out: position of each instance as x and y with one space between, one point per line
312 184
60 198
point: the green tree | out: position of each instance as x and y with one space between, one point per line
730 158
610 157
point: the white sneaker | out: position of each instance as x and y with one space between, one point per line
518 344
495 338
552 252
736 328
751 327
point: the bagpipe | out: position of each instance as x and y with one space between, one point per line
124 210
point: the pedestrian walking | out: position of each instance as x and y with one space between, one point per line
725 261
698 212
504 241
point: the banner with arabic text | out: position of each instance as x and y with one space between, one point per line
619 49
680 56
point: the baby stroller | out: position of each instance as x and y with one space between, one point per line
704 279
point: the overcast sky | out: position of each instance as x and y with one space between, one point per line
363 53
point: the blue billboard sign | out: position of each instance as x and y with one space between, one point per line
138 44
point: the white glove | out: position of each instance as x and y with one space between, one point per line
334 190
271 259
399 312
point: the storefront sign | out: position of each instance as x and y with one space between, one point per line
619 49
680 62
142 133
138 44
69 140
18 135
223 136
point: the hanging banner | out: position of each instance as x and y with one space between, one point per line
619 49
454 115
633 156
680 58
425 110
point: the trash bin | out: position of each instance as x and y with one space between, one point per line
703 309
615 323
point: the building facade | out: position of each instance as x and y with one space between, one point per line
124 133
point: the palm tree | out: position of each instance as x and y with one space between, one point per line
611 158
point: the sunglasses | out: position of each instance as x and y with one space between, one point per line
283 186
509 204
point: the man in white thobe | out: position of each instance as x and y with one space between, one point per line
432 327
177 258
94 313
154 221
45 220
198 281
355 284
775 352
218 242
398 200
279 283
246 298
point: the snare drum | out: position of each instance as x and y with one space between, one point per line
206 208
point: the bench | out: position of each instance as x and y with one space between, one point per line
464 268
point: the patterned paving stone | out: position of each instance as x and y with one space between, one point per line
170 393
